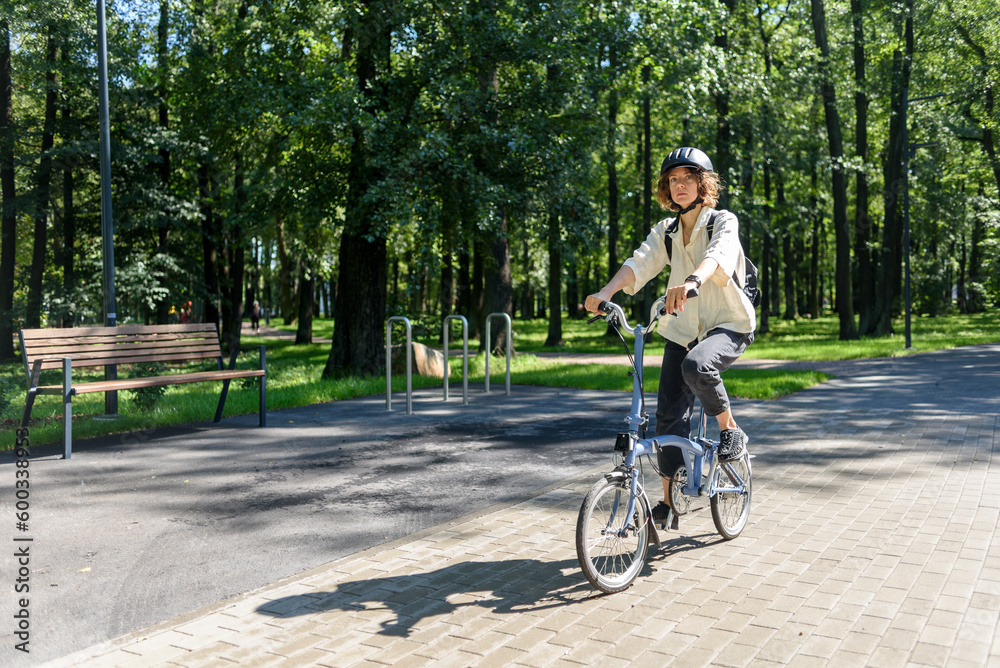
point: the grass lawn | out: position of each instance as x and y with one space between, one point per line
294 373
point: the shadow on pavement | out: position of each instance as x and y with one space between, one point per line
514 586
505 587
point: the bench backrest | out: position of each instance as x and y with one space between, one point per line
126 344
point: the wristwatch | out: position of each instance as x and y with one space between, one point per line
693 279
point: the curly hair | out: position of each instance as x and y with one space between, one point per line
709 187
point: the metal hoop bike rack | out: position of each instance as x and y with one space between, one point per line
465 356
409 362
488 339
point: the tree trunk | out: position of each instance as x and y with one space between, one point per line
888 284
463 296
845 309
555 283
33 317
8 223
963 304
775 273
862 221
815 291
359 308
477 321
791 261
572 287
447 270
527 306
358 345
307 295
765 284
746 179
232 324
975 252
284 273
766 277
498 289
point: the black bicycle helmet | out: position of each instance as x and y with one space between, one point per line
687 156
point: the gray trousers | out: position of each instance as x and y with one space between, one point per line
693 373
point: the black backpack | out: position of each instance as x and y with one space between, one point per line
750 287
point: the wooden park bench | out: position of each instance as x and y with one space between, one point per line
66 349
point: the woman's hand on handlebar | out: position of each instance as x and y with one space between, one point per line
593 302
677 296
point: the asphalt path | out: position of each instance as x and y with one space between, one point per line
139 528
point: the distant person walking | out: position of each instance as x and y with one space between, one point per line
255 317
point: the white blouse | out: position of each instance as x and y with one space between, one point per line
720 302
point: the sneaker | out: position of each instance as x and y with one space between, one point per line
660 512
732 444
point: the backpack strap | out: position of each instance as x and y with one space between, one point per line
711 228
667 241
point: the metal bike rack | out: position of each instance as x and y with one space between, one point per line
388 362
465 356
489 340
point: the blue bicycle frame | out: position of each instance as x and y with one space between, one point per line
697 453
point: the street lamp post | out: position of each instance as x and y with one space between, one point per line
107 224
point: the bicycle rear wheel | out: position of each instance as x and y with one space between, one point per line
733 489
610 547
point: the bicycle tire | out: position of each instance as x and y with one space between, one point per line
610 557
732 485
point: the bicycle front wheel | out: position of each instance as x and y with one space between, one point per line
612 548
733 489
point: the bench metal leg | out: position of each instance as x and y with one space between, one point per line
222 400
263 387
29 402
67 407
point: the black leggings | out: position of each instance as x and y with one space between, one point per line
689 374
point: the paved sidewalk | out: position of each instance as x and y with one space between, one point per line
873 540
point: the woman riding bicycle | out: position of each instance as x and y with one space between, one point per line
709 333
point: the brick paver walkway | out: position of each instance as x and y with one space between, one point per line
872 542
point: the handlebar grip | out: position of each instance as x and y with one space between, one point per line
603 307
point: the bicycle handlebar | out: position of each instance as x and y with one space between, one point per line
608 309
